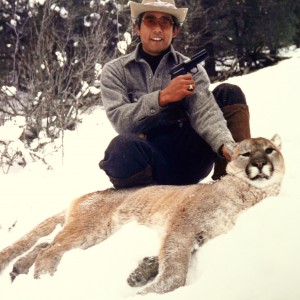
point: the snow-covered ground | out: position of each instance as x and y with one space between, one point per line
258 260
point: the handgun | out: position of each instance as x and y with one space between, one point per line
189 65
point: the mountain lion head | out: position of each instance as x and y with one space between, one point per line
258 161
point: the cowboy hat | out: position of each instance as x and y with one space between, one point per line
165 6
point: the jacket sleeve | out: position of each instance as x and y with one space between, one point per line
127 114
205 115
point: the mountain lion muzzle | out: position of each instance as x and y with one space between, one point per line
188 216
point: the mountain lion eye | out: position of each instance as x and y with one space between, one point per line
269 150
246 154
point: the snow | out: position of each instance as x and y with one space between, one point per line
9 90
257 260
33 3
63 13
123 45
61 58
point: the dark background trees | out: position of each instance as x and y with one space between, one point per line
241 35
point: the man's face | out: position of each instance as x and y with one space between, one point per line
156 32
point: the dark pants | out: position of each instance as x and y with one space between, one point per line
176 154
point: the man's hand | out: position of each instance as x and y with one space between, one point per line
225 153
177 89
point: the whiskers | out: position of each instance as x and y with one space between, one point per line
237 172
253 173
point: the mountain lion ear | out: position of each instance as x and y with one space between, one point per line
276 140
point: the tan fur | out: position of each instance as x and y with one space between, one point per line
186 215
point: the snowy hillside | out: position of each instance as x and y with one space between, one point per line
258 260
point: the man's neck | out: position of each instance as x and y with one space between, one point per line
153 61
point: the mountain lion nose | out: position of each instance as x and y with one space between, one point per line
259 163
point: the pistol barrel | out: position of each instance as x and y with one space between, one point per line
186 66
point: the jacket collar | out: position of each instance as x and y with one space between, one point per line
135 55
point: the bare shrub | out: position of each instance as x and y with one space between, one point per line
51 57
55 58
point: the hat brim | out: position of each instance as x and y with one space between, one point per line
137 9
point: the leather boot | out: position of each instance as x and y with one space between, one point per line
142 178
237 117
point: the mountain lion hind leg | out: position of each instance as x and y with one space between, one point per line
26 242
88 222
24 263
67 239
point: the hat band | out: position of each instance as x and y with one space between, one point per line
161 4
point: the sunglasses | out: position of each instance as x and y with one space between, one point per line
163 22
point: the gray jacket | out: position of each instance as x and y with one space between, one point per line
130 94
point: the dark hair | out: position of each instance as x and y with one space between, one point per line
138 21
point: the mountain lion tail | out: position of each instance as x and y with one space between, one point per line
29 239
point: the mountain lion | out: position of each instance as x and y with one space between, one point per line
188 216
